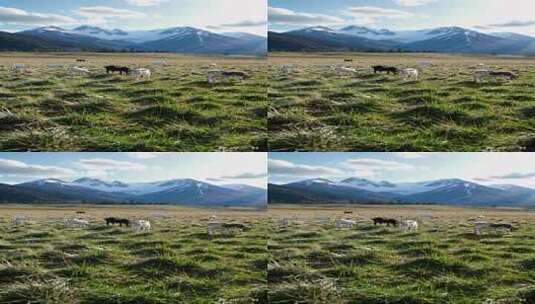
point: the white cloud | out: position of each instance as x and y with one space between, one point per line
413 2
515 23
18 16
18 168
145 2
248 175
368 167
246 23
100 166
286 16
101 14
374 12
282 167
411 155
144 155
515 176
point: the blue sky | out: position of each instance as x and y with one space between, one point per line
216 168
484 168
484 15
218 15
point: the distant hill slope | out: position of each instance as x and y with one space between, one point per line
88 190
317 39
442 40
179 39
18 42
360 191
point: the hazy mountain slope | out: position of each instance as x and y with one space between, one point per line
90 190
443 39
17 42
355 190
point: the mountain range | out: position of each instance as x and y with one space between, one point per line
91 190
363 191
91 38
362 39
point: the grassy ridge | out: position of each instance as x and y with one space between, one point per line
313 108
443 262
49 262
177 110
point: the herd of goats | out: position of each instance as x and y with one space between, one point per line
479 74
213 225
212 75
404 225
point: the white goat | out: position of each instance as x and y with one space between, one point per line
141 225
408 225
78 71
409 73
344 223
141 73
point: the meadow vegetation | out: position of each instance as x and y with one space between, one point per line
312 108
46 109
46 261
442 262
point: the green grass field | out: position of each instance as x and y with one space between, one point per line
314 109
443 262
45 261
46 109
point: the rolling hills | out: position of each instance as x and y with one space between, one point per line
441 40
90 190
177 39
356 190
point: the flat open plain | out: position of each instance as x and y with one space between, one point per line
311 261
46 108
313 108
45 260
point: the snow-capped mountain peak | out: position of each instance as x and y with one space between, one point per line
49 181
97 31
313 181
318 29
362 30
50 29
356 182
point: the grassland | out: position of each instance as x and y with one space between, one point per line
443 262
45 261
313 108
46 109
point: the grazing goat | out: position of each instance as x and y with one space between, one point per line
141 225
78 71
18 220
225 228
388 222
408 225
211 76
409 73
113 221
387 69
479 227
480 74
113 68
286 221
344 223
287 69
18 68
77 222
141 73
